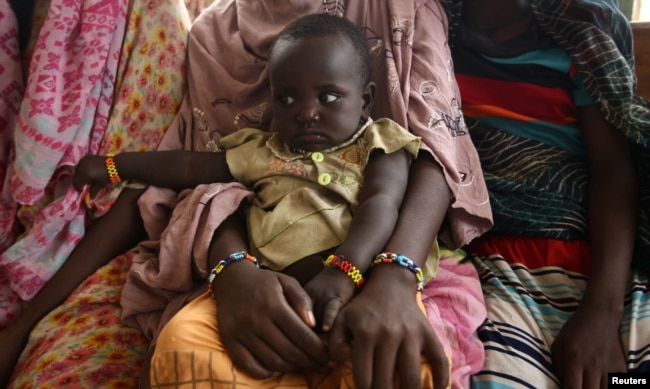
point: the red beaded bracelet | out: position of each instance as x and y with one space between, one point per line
346 267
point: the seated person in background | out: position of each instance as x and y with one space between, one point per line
547 93
328 183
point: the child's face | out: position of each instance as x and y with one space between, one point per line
318 95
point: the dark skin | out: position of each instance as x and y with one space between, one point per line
275 332
580 361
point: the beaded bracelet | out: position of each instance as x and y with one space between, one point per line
113 175
403 261
347 268
232 258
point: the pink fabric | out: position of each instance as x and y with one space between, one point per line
62 117
455 308
11 90
165 267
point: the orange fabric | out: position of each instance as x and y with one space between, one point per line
189 354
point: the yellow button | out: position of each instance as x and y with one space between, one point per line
317 157
324 179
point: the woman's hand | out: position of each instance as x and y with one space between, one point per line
588 347
91 170
266 322
330 290
383 331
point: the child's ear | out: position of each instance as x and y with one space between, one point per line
368 98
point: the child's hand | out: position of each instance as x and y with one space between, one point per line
330 290
91 170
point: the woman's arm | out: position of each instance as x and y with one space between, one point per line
374 317
119 230
613 197
177 169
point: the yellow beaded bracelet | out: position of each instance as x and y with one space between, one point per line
113 175
346 267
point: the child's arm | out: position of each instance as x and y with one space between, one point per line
385 181
178 169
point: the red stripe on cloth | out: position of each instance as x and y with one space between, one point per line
536 252
507 95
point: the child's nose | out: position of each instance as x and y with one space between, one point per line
308 115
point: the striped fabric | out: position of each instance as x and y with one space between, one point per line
546 78
598 38
537 184
527 308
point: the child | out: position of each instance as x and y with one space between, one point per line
328 181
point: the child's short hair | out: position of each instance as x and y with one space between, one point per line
322 25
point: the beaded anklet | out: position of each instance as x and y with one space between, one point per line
113 175
406 262
347 268
232 258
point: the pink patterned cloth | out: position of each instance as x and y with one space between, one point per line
82 343
11 90
63 116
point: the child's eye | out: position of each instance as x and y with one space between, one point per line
287 100
328 97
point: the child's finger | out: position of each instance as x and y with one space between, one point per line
332 309
89 201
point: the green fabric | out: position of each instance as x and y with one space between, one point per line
304 203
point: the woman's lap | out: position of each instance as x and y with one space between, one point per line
189 352
96 349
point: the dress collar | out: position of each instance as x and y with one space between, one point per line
283 152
